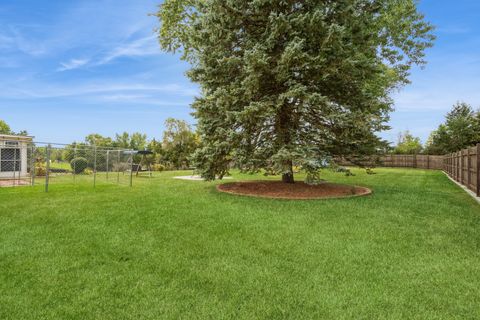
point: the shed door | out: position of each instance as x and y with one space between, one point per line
10 160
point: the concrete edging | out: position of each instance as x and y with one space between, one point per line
470 192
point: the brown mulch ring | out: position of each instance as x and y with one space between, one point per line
298 190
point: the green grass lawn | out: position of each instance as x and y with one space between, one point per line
60 165
180 250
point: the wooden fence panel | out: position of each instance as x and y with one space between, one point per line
405 161
412 161
464 167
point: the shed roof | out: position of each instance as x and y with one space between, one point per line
15 137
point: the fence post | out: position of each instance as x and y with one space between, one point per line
75 165
32 166
108 153
131 170
452 165
455 162
455 165
94 166
445 163
15 164
449 164
454 168
459 158
47 173
118 168
460 166
477 156
469 178
415 160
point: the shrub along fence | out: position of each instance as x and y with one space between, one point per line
463 166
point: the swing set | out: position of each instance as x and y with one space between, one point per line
143 165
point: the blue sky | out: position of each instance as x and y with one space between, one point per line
70 68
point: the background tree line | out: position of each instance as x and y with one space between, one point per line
179 142
461 129
173 151
5 129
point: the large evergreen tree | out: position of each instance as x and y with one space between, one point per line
288 82
460 130
461 126
438 141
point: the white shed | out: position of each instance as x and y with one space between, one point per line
14 156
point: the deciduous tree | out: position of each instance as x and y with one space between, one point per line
134 141
4 128
98 140
179 143
408 144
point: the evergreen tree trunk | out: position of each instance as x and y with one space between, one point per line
287 175
284 125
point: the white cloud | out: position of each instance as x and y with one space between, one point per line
14 40
145 46
125 97
100 31
436 98
112 89
141 99
453 30
73 64
6 41
140 47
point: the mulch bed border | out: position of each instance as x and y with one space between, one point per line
219 189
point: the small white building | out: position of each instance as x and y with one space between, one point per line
14 156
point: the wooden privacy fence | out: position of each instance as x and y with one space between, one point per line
413 161
402 161
463 166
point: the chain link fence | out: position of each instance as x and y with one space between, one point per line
26 163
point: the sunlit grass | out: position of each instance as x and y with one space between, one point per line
179 249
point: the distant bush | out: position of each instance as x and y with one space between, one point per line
40 169
79 165
347 171
158 167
